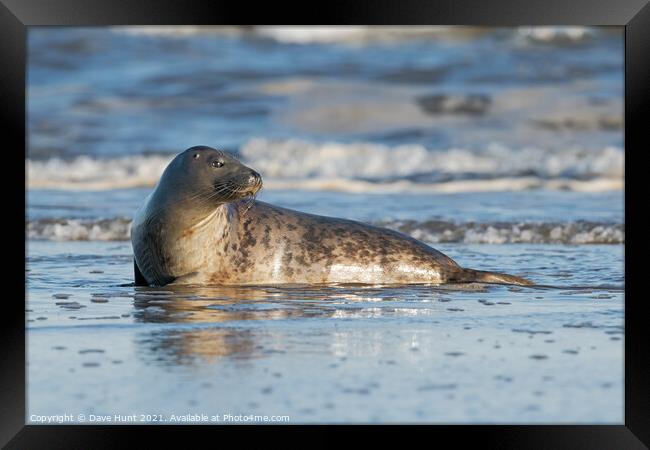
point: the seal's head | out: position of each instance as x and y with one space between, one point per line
205 177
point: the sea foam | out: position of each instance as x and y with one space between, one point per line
363 167
431 231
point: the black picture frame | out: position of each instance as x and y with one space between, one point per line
633 15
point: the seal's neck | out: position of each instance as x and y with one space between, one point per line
189 227
180 211
183 240
209 221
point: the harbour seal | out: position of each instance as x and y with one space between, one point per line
202 225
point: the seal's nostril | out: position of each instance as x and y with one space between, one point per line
254 177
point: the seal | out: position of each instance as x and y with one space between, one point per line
202 225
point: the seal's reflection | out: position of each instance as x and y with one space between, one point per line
216 313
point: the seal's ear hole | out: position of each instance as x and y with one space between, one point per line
196 156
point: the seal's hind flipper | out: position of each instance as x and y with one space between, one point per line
482 276
139 279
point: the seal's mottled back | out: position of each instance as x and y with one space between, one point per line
202 225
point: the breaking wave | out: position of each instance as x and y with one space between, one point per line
555 35
363 167
338 34
116 229
580 232
85 172
294 158
432 231
347 34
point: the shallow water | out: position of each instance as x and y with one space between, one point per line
462 353
511 163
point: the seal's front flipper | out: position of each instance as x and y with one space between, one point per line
188 278
139 279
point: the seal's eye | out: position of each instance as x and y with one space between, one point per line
217 164
196 156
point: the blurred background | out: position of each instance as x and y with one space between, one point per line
447 133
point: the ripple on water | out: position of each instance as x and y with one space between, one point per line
218 327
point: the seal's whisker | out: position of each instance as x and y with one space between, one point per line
227 187
204 196
166 206
211 192
226 190
248 203
218 192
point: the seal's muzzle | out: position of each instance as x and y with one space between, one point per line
254 182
